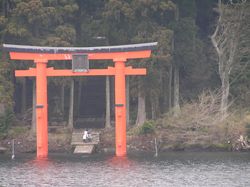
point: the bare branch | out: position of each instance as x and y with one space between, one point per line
214 42
237 2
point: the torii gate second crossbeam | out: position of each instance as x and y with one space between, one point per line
41 56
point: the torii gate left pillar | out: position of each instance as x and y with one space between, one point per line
41 56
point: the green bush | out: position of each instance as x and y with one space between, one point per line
16 131
147 128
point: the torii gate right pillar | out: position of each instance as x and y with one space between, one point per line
41 108
120 108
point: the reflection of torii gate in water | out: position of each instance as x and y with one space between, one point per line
41 56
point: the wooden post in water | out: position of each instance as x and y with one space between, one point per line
156 148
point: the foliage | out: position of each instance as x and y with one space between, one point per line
6 120
182 42
17 131
6 86
147 128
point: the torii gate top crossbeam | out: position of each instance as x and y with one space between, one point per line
133 51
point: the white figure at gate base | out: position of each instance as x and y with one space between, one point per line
86 136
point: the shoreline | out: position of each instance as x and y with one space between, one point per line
111 152
60 142
102 149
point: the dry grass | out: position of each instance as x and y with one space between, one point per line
200 124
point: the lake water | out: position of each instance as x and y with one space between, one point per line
142 170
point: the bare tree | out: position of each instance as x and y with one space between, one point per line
225 40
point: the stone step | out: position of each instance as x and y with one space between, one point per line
84 149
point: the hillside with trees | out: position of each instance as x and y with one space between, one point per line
195 94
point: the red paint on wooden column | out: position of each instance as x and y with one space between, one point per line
120 108
41 108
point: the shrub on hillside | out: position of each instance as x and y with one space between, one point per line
200 123
147 128
6 120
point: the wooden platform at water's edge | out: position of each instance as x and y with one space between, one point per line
84 147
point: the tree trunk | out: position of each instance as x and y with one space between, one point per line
62 98
141 111
24 91
33 122
79 100
6 7
176 104
71 106
153 108
170 87
108 122
127 100
224 94
176 108
112 96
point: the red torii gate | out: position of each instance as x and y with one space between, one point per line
41 56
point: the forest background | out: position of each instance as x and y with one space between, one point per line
198 81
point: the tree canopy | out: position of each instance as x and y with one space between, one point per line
182 29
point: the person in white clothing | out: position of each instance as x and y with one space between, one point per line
85 136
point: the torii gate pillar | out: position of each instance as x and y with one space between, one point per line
41 108
120 108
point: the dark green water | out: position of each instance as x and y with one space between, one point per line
170 169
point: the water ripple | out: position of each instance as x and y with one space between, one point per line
172 169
